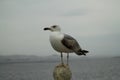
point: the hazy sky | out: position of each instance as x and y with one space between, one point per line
94 23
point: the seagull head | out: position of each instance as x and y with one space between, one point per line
53 28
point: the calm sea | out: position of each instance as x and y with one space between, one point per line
82 69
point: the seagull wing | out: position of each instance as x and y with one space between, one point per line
70 43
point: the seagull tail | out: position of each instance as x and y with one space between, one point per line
82 52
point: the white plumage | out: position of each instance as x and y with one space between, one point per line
64 43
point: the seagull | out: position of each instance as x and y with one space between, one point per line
64 43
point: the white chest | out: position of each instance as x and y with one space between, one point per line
55 40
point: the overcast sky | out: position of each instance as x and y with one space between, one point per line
95 24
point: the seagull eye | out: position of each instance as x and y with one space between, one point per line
54 26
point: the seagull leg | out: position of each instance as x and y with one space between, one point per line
67 58
62 58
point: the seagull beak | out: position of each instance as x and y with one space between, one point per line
47 28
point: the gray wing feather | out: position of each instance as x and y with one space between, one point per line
70 43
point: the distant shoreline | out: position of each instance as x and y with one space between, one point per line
46 59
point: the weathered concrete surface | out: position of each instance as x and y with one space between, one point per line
62 72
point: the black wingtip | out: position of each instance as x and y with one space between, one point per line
85 51
82 52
